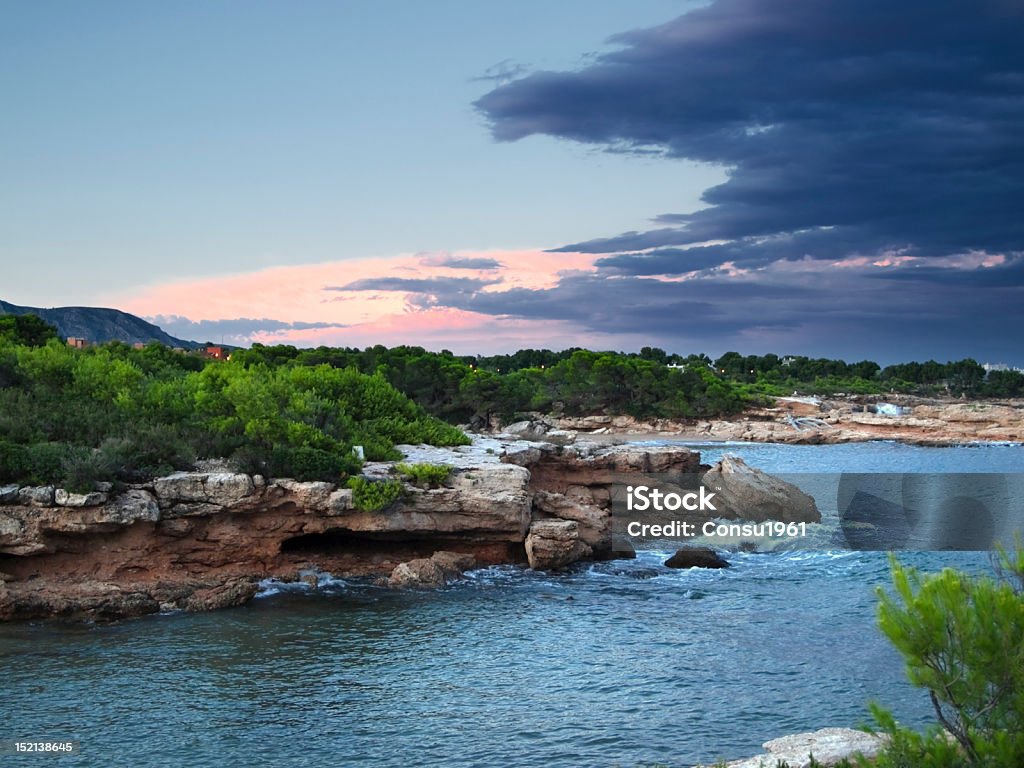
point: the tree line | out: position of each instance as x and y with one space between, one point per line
115 412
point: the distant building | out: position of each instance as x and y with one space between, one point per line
989 367
217 353
77 343
138 345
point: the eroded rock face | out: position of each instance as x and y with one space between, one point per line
553 544
64 498
221 489
746 493
197 540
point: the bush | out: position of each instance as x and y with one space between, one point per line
962 638
307 464
370 496
425 475
83 470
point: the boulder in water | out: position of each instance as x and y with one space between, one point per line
696 557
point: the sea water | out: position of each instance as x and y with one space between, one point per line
620 663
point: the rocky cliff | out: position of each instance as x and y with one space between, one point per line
198 541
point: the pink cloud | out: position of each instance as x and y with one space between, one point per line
297 294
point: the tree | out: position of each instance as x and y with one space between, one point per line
29 330
962 637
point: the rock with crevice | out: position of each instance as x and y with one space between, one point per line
554 544
594 522
220 489
65 498
37 496
434 571
746 493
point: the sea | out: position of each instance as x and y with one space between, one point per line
619 663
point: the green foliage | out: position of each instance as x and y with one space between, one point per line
306 463
371 496
962 638
425 475
28 330
117 412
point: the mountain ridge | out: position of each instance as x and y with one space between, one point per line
100 324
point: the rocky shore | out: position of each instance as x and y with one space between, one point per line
817 421
204 540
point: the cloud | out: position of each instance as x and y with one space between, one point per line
460 262
848 128
240 330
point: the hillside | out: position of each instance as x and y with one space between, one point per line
98 325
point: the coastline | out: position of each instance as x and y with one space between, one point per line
821 421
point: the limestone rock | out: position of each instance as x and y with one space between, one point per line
528 430
491 502
8 494
553 544
340 501
132 506
6 603
829 746
219 488
422 572
312 496
594 522
696 557
39 497
454 564
226 595
746 493
65 498
434 571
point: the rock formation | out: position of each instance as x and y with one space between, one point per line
829 746
202 540
696 557
553 544
743 492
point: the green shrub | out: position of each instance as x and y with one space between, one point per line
307 464
425 475
370 496
962 638
82 470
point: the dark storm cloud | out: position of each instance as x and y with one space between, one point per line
849 127
440 286
422 292
1009 276
460 262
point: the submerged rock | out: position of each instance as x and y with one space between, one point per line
434 571
696 557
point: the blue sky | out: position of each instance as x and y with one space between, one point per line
830 177
150 141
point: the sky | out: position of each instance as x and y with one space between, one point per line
820 177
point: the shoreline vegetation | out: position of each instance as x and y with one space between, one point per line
117 413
